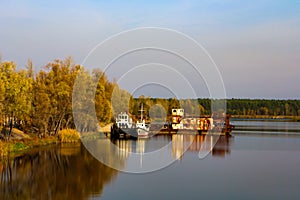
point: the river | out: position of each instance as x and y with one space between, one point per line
260 161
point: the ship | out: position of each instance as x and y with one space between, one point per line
143 129
180 123
218 123
125 127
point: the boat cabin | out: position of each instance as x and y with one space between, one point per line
124 120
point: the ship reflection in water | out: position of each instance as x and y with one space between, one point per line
180 143
195 143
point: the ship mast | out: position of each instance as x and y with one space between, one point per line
142 110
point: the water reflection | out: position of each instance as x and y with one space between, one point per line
104 151
180 144
70 172
54 173
192 143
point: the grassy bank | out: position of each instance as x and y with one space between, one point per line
18 146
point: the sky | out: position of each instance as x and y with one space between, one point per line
255 44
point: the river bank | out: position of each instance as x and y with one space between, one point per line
24 142
13 147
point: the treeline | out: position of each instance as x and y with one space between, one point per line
246 107
41 102
273 107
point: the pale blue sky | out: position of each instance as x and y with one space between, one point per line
256 44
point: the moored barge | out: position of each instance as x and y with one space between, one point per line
193 124
124 127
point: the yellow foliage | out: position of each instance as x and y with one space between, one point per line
68 135
3 149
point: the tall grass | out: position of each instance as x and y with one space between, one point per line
68 135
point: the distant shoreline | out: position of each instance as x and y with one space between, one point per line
290 118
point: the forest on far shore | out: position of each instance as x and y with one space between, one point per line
250 108
40 102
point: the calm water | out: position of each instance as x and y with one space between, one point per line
259 162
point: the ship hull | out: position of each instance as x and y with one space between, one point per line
128 132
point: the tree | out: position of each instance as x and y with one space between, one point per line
120 100
287 109
16 101
53 90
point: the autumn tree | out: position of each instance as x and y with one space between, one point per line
52 104
103 97
15 95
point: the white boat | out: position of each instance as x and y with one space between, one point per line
142 128
125 125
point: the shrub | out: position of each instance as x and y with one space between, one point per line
19 146
68 135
